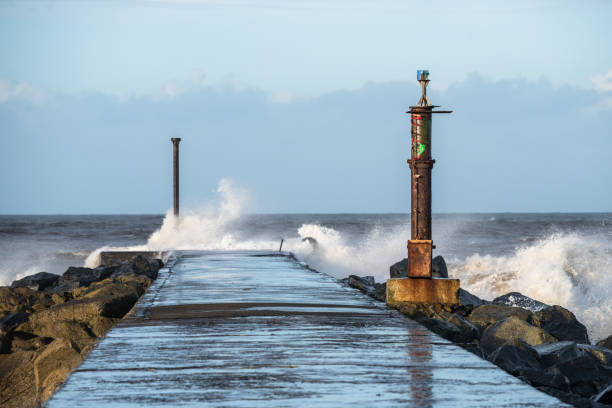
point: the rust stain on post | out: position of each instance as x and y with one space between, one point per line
175 142
419 258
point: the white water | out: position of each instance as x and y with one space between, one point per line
566 269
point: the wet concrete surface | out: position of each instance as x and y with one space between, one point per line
239 330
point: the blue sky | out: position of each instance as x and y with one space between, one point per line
302 103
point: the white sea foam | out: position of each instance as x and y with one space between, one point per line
570 270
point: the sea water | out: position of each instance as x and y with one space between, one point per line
563 259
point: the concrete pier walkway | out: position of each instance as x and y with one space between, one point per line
254 329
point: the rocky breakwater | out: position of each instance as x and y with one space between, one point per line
49 323
545 346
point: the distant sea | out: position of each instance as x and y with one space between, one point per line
561 259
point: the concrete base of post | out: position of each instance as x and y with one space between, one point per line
412 290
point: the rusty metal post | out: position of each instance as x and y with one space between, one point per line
420 245
175 142
419 287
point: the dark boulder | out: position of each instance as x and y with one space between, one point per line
549 377
11 320
467 330
438 267
139 265
566 396
8 323
517 358
586 375
607 343
605 396
366 284
399 269
38 281
156 263
380 292
561 323
514 331
604 355
467 299
123 269
560 352
517 299
442 328
142 266
76 277
486 315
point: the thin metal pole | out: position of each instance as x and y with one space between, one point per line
175 142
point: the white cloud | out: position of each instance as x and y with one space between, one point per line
20 91
175 87
603 82
281 96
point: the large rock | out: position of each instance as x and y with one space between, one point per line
53 365
549 377
464 331
516 358
76 277
560 352
46 334
517 299
85 317
586 375
8 323
76 332
602 354
513 330
607 343
399 269
561 323
468 299
442 328
365 284
139 265
142 266
438 268
486 315
38 281
605 396
22 300
380 292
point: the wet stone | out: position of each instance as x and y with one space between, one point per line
602 354
517 299
38 281
513 330
438 267
468 299
553 353
605 396
486 315
561 323
607 343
